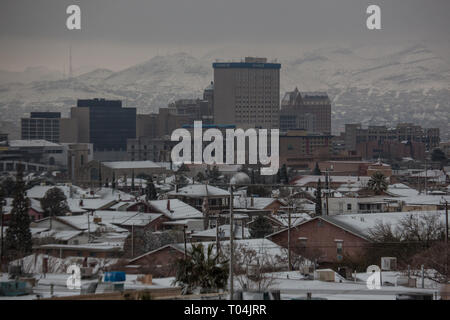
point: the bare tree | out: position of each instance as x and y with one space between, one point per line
253 266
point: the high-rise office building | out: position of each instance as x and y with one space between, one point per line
41 126
247 94
310 111
105 124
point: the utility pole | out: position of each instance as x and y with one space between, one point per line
89 227
231 244
328 188
289 239
217 234
185 244
426 175
2 203
446 222
132 240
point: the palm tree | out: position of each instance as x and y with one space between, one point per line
378 183
201 269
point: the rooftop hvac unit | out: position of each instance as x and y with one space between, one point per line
97 219
388 263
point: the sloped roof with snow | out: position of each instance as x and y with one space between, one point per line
209 233
38 192
178 209
200 190
127 218
82 205
304 180
362 223
131 165
32 143
258 202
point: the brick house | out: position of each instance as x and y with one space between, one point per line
159 262
323 238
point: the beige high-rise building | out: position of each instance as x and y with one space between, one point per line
247 94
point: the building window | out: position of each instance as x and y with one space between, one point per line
339 250
349 206
302 241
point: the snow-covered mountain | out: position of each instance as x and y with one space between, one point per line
366 84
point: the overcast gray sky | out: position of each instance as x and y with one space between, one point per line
118 33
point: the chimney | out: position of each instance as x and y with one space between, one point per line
168 204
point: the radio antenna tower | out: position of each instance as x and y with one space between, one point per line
70 62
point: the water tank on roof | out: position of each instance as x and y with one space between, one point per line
115 276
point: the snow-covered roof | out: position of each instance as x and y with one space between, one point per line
131 164
103 246
62 235
32 143
38 192
200 190
178 209
304 180
209 233
258 202
82 205
403 190
265 249
360 224
127 218
81 223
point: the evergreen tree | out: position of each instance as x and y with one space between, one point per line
284 175
213 174
260 228
54 203
113 184
437 155
316 171
18 242
319 199
150 191
100 175
8 185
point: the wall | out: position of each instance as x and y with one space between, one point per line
321 236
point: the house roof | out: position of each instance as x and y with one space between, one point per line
99 247
178 209
200 190
264 248
359 180
258 202
132 165
209 233
127 218
360 224
32 143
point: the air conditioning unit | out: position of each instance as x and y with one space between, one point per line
388 263
97 219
